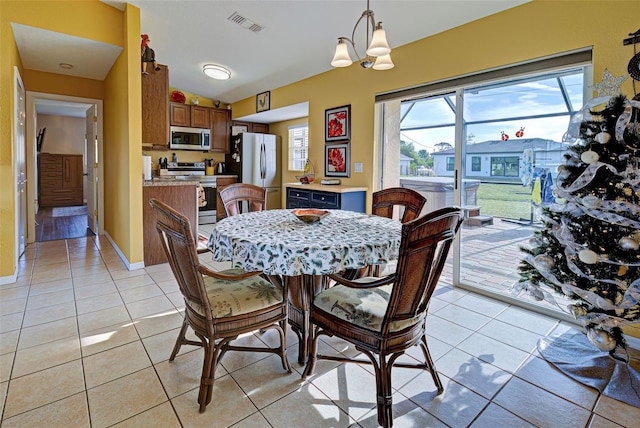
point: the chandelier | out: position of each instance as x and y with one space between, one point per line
377 52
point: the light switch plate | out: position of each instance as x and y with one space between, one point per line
357 167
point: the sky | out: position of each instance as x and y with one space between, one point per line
494 106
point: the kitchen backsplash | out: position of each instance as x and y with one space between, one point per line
183 156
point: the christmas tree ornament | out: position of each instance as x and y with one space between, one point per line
601 339
520 133
588 256
609 85
503 136
602 137
628 243
589 157
543 262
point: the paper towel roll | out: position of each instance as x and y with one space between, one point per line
146 167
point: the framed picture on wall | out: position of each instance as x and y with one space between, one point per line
337 124
263 101
336 160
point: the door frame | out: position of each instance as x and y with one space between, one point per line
17 215
32 155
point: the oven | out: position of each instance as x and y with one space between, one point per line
207 214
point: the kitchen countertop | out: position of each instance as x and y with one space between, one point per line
335 188
162 181
170 180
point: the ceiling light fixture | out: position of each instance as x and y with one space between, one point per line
216 71
65 66
377 52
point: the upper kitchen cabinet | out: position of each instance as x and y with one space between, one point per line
155 109
188 115
220 120
262 128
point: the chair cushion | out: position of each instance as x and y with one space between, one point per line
364 307
236 297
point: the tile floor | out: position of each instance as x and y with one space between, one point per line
85 343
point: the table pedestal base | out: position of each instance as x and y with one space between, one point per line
302 288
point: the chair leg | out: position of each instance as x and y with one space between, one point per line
208 374
180 339
383 389
432 367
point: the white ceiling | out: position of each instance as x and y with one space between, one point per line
297 40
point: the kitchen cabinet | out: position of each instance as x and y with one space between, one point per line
155 109
221 183
181 196
326 197
262 128
220 121
60 180
189 115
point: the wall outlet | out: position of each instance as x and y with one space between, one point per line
357 167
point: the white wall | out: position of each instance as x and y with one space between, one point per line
64 134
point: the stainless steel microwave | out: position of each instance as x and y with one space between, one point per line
190 138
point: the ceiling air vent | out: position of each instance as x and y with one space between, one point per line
245 23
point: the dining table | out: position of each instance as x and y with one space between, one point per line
301 254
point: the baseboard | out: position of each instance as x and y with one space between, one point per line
130 266
11 279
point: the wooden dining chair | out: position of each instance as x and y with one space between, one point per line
383 317
235 194
219 306
385 202
409 201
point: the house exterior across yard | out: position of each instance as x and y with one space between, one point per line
498 160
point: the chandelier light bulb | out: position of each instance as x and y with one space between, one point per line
217 72
383 63
341 58
379 45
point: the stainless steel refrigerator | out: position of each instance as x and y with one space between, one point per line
256 159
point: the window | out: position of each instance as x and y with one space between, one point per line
505 166
450 163
476 163
298 147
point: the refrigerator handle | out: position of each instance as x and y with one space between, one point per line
263 162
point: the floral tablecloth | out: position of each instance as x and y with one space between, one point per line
278 243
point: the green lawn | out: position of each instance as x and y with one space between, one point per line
505 200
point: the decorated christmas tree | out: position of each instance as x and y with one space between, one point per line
589 246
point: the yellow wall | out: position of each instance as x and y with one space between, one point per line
533 30
97 21
122 142
60 84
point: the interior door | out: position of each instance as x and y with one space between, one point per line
21 179
92 168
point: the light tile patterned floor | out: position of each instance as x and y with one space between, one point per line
85 343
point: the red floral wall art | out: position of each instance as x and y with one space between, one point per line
337 124
336 160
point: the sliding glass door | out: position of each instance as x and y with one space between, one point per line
492 148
